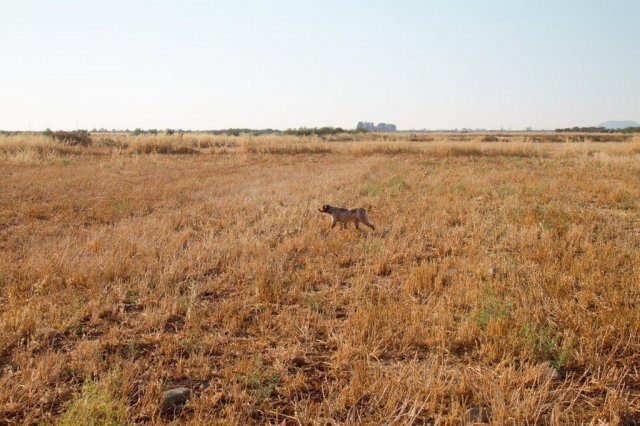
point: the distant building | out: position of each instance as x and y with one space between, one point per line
366 125
384 127
380 127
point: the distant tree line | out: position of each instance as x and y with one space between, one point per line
240 131
81 137
320 131
75 137
300 131
599 130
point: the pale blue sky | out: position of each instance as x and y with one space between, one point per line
280 64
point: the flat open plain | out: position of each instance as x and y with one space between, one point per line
503 277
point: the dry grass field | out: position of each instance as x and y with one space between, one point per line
502 283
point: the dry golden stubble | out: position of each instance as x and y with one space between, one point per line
500 281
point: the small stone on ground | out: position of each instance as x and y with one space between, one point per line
175 398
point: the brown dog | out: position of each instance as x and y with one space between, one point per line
344 216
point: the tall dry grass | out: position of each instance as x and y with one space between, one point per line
33 148
502 278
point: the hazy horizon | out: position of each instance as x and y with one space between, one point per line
213 65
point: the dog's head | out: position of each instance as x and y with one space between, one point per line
325 209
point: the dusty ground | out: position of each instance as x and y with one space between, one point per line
501 278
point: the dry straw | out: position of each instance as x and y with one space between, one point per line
500 283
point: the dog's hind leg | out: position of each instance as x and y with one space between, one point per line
367 221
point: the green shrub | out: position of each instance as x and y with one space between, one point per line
492 308
544 342
372 189
75 137
259 382
97 405
398 183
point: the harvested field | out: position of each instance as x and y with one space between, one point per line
502 278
